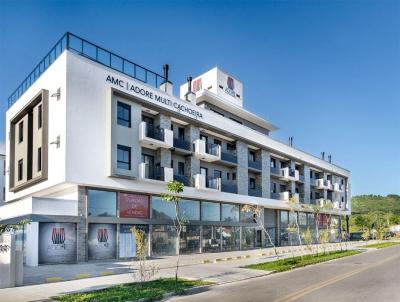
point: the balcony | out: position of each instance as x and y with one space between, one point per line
255 165
183 179
229 156
275 171
337 187
256 192
285 196
201 182
154 137
182 145
323 184
289 174
229 187
301 177
206 151
157 173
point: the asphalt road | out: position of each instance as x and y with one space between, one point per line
368 277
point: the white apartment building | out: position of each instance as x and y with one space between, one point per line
93 138
2 179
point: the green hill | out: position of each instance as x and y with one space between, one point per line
362 204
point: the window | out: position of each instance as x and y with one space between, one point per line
230 146
230 238
40 116
252 183
147 119
190 239
123 157
228 175
246 216
342 181
189 209
181 168
162 210
211 241
217 142
20 170
217 174
39 159
282 188
252 156
210 211
233 175
229 212
273 163
163 240
20 132
102 203
181 133
248 237
124 114
273 187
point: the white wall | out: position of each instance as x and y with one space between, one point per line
2 178
31 245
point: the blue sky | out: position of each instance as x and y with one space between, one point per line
326 72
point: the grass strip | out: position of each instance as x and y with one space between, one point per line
290 263
381 245
152 290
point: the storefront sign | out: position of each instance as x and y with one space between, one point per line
57 243
153 96
102 241
133 205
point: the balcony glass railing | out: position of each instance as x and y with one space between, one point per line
182 178
256 192
181 144
255 165
212 183
154 172
90 51
274 195
229 187
229 156
212 149
154 132
275 171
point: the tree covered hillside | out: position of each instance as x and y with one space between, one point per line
363 204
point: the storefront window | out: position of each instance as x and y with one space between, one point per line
230 212
310 220
163 240
127 242
271 240
284 219
211 241
246 217
302 219
190 239
102 203
248 237
292 218
210 211
189 209
230 238
102 241
161 209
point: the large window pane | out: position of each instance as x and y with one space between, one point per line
162 209
302 219
230 238
189 209
211 241
127 242
190 239
230 212
284 219
246 217
163 240
102 203
210 211
248 237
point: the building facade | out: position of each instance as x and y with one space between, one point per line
94 138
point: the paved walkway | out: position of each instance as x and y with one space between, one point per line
219 268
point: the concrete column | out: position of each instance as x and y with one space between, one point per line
82 227
307 184
192 164
167 87
325 190
292 184
163 156
242 173
32 244
266 174
263 236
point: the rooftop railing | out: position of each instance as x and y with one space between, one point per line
93 52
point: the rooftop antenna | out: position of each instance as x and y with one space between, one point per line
189 81
166 69
291 141
330 158
323 155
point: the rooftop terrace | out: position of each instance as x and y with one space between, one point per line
93 52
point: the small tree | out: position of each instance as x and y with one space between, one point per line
308 238
292 202
174 189
10 227
145 272
317 215
324 239
291 229
365 236
257 218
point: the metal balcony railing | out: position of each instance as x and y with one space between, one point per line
154 132
229 187
255 165
182 144
93 52
229 156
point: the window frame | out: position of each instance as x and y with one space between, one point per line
125 149
123 120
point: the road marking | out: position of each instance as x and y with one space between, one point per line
305 291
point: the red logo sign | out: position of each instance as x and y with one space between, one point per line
133 205
197 85
58 236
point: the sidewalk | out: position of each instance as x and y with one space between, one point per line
219 268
